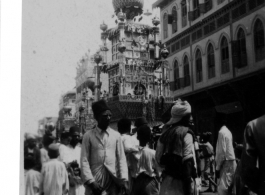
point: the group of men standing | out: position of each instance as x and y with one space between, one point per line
108 163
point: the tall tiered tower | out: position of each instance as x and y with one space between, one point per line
135 89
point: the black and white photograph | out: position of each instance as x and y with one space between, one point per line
140 97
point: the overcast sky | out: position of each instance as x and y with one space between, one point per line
55 36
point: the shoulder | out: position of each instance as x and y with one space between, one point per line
114 133
89 133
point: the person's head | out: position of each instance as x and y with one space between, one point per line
74 165
102 113
53 151
47 140
138 123
181 110
206 137
29 162
65 138
31 141
144 135
124 125
74 133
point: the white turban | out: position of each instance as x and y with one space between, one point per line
179 110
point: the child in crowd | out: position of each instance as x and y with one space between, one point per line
32 177
207 156
54 177
144 168
129 142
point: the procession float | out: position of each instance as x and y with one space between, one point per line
138 72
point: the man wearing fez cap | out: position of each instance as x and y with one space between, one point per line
103 163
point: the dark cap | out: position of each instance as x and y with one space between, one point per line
74 130
99 107
140 121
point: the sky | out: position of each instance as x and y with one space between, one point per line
55 36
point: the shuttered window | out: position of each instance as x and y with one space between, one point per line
259 40
211 61
198 66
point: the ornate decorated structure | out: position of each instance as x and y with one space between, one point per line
67 112
138 71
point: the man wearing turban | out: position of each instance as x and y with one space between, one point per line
103 162
175 152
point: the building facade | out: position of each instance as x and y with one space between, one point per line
67 111
217 57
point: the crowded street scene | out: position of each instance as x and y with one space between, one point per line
171 101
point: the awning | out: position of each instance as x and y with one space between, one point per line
160 3
229 108
157 4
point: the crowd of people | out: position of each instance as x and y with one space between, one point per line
109 162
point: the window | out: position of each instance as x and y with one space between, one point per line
195 4
176 75
184 13
224 56
165 26
259 46
198 59
210 61
175 20
186 72
242 50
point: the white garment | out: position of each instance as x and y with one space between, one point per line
44 157
69 154
54 178
225 161
32 182
129 143
224 184
224 147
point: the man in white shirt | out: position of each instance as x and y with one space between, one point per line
70 153
225 160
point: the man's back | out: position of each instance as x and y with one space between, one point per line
32 181
54 178
224 146
253 154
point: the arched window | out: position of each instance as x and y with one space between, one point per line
242 49
176 75
186 71
184 12
175 20
259 40
210 61
198 59
224 56
165 25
